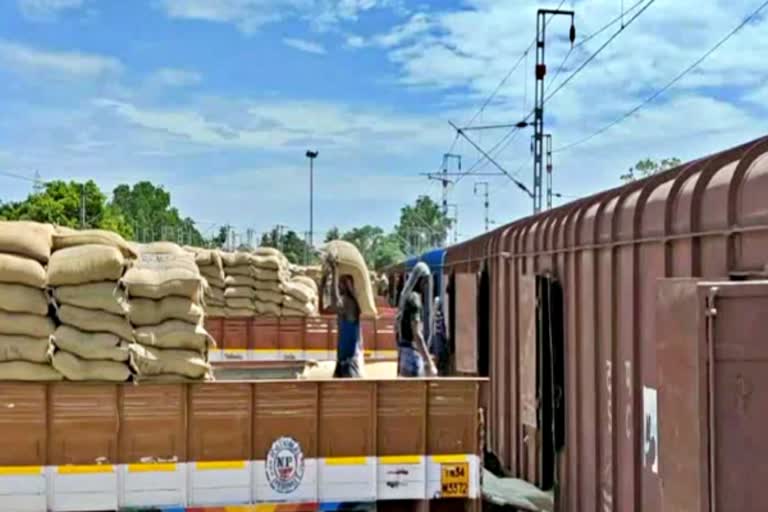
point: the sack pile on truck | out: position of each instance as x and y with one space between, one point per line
94 334
165 289
239 284
350 262
26 327
212 270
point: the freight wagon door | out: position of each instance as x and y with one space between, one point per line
737 329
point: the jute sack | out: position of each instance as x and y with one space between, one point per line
175 334
263 274
153 312
214 294
20 270
18 298
161 274
267 296
162 248
26 371
106 296
306 281
351 262
87 345
237 312
272 252
22 324
74 368
267 308
235 259
23 238
66 237
269 286
239 292
267 262
91 320
240 303
85 264
214 278
207 257
153 361
305 308
299 291
239 280
218 311
24 348
241 270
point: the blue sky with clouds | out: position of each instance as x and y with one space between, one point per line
218 100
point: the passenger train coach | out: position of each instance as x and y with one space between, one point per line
624 338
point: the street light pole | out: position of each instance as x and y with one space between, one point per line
311 155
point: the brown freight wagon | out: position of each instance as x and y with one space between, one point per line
597 389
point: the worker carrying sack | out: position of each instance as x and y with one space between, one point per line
29 239
350 262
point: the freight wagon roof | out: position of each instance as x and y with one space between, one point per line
723 189
434 259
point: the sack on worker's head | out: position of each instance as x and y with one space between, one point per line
240 303
175 334
159 274
154 361
234 259
85 264
23 238
22 270
24 348
91 320
26 371
299 291
350 262
65 237
105 296
23 324
239 292
74 368
153 312
89 345
17 298
267 308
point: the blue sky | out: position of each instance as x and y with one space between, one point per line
218 100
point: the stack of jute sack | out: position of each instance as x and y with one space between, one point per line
166 293
271 274
94 335
25 327
350 262
212 270
240 284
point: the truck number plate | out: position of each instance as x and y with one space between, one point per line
454 480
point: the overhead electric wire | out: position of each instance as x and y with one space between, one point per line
608 25
669 84
594 55
20 177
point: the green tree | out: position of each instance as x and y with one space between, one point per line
220 239
647 167
291 244
148 208
333 234
422 226
68 204
387 252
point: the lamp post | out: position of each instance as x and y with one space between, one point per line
311 155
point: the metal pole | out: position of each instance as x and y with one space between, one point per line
548 140
311 199
487 203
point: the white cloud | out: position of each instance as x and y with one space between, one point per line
304 45
250 15
22 58
47 9
172 77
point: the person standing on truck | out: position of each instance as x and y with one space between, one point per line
439 346
414 359
349 345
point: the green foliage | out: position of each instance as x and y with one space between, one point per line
149 209
220 239
647 167
422 226
62 203
289 243
333 234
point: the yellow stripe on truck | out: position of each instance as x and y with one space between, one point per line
85 469
346 461
223 464
144 468
449 459
392 460
20 470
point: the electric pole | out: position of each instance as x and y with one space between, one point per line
444 178
548 149
487 203
538 122
455 222
311 155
